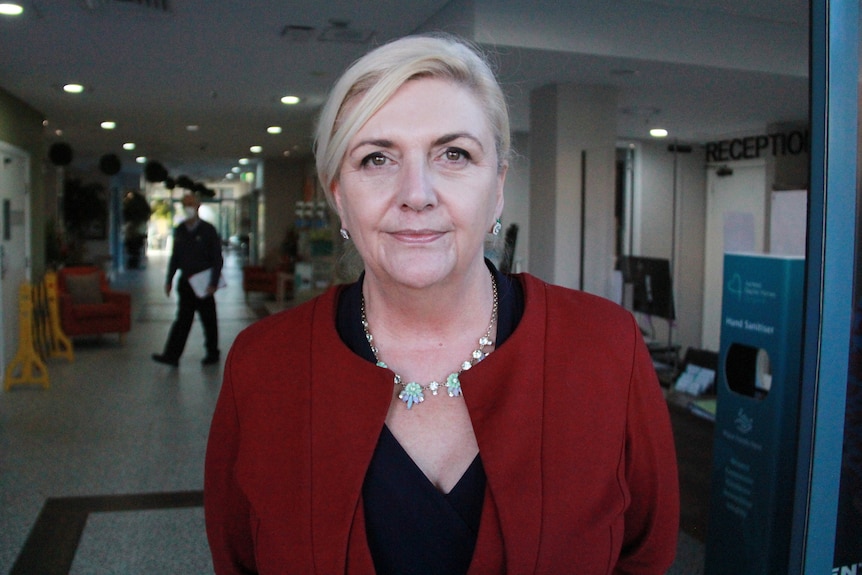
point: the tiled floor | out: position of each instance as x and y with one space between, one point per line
116 423
102 473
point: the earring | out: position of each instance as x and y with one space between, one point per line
345 234
497 227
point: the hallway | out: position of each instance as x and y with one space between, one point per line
102 473
116 423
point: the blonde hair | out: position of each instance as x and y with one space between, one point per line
373 79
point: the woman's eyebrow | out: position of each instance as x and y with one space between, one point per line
377 143
447 138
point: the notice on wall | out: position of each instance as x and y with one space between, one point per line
738 232
787 222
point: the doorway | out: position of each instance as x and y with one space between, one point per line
14 242
735 222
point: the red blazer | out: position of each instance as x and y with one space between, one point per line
571 423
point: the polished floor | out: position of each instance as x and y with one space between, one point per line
102 473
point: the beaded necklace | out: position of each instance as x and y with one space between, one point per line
412 392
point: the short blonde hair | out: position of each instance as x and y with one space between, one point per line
373 79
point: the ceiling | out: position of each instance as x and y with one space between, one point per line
703 69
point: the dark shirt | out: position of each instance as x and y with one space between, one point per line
412 527
195 250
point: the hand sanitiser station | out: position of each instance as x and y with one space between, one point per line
755 443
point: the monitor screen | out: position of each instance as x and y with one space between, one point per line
652 289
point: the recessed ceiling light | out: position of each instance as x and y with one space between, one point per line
255 149
235 169
10 9
658 133
141 159
243 161
108 125
290 100
274 129
129 146
192 128
73 88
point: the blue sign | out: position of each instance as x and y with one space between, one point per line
755 443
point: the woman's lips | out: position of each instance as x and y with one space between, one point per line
417 236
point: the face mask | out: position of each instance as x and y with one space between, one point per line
190 212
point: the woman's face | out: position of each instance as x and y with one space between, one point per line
420 185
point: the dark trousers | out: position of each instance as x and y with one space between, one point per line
189 304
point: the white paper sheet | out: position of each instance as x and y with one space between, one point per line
201 280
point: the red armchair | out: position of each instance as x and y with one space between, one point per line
256 278
87 304
259 279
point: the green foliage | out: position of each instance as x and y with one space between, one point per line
54 249
162 209
83 204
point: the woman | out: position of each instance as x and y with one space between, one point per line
366 431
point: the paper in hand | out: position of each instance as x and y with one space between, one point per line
201 281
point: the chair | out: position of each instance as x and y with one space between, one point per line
258 279
88 306
266 279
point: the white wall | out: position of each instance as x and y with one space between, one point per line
572 136
669 210
282 187
517 194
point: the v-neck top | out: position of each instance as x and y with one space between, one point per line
412 527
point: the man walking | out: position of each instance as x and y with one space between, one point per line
197 248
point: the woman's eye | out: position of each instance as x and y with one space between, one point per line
456 155
375 159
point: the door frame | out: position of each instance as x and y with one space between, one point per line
9 315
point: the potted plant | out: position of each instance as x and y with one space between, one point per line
85 215
136 214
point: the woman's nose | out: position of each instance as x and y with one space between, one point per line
416 186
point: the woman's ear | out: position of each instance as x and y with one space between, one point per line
335 192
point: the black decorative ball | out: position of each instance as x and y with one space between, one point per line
185 182
155 172
110 164
60 154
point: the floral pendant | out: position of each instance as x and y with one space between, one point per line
412 394
453 385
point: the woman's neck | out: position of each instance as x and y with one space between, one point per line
436 311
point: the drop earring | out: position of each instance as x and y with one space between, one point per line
345 234
497 227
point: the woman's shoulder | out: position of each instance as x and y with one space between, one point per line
560 298
578 315
284 330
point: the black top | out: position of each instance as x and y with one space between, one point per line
412 527
196 249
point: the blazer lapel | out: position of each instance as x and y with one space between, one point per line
350 399
504 394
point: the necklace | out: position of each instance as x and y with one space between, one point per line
412 392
